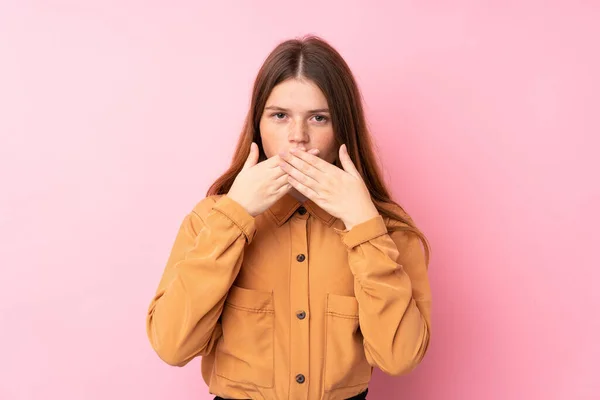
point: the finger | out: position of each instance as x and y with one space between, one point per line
281 191
252 158
314 152
277 171
281 185
276 159
273 162
305 190
347 163
299 175
303 166
312 160
281 180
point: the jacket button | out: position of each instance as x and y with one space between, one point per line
300 378
301 314
302 211
301 257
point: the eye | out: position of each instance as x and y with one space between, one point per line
321 118
278 115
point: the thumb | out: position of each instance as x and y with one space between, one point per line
252 157
347 163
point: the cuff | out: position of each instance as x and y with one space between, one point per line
363 232
238 215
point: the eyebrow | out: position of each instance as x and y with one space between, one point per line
285 109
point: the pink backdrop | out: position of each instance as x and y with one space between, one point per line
116 115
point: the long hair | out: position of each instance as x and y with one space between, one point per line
314 59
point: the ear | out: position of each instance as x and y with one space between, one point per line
347 163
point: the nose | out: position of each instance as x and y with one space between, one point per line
298 134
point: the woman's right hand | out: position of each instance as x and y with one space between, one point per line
259 185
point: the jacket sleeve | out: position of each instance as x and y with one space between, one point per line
183 317
394 298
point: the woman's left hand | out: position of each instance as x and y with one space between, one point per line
340 192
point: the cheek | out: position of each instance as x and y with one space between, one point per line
328 147
331 156
268 136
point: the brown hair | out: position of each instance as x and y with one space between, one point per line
314 59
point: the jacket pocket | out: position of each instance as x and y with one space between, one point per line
245 350
345 360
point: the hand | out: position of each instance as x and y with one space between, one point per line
258 186
340 192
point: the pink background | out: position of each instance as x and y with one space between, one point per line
115 116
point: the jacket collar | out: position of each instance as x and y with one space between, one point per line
283 209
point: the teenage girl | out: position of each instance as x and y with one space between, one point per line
297 274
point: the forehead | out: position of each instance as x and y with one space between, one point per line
297 94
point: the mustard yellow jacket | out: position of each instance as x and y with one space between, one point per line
289 304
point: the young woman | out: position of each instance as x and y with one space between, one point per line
297 274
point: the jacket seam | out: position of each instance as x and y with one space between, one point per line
259 310
347 316
255 385
345 387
